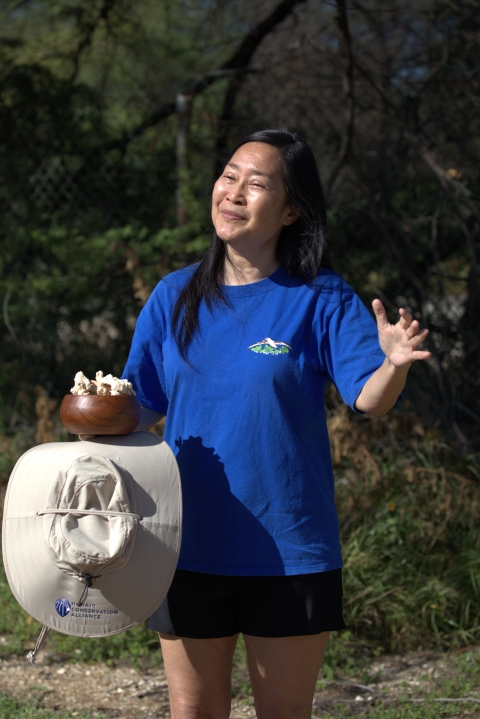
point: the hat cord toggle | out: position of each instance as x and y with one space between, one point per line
88 579
32 656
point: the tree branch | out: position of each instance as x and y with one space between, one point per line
397 249
235 67
449 184
194 86
88 31
348 91
8 324
242 58
453 190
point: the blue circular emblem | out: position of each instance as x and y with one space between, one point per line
63 607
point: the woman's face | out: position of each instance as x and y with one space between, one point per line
249 201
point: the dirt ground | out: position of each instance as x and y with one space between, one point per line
126 692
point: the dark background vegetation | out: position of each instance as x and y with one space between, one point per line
115 117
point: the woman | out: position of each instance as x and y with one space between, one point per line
237 352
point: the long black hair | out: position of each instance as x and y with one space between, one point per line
302 246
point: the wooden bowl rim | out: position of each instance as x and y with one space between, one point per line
100 396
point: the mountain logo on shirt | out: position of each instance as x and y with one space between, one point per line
269 347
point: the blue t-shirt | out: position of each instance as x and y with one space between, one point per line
246 416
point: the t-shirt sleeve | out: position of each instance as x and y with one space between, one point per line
144 368
351 350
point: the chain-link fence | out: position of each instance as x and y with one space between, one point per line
111 188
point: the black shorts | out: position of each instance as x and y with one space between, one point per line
205 606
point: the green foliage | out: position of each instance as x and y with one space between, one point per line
345 654
89 224
409 510
11 708
73 302
89 177
11 448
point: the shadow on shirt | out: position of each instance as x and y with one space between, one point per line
220 534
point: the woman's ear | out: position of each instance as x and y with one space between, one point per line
292 216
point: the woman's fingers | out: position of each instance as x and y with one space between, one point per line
421 355
380 314
406 321
418 338
413 329
405 318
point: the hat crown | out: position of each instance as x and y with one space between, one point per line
93 544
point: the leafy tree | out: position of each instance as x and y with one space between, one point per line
115 117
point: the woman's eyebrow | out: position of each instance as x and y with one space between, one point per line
252 172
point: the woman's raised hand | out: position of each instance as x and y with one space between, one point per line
399 342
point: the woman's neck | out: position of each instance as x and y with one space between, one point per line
241 270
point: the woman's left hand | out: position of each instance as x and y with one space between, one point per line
399 342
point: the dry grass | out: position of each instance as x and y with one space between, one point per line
409 509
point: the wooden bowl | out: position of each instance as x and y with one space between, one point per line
100 414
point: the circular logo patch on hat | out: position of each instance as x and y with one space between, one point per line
63 607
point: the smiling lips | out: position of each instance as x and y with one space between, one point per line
231 215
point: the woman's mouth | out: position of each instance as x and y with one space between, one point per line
231 215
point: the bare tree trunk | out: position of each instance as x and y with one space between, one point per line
348 91
183 106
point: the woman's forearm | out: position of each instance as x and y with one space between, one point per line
382 389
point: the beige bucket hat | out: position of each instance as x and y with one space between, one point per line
92 532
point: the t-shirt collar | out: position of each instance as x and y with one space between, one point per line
279 277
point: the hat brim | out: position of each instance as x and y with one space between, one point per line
118 600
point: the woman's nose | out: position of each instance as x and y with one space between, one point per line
236 195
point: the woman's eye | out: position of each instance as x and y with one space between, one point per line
256 184
229 177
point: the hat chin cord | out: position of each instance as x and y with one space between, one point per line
88 582
86 578
32 656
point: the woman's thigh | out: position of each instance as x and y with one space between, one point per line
199 676
283 673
